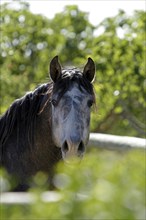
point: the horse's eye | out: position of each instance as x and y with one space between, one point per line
54 102
90 103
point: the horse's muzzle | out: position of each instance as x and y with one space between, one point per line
72 150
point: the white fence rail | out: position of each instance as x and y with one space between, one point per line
22 198
114 142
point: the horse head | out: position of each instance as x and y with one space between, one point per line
71 101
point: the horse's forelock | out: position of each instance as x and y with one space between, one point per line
67 79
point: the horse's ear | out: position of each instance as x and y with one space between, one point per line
55 69
89 70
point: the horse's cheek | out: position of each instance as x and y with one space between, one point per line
56 131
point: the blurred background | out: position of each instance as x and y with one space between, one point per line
35 31
106 185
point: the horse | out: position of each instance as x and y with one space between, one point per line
48 124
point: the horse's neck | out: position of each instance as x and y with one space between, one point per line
45 149
44 130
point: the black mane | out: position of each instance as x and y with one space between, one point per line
22 113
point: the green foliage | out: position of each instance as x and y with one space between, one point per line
73 33
121 74
29 42
105 185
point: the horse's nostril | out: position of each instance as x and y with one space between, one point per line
65 147
81 147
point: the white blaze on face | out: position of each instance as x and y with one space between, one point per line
71 117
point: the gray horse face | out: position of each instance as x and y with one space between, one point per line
70 122
71 113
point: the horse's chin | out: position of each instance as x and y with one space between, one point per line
72 160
